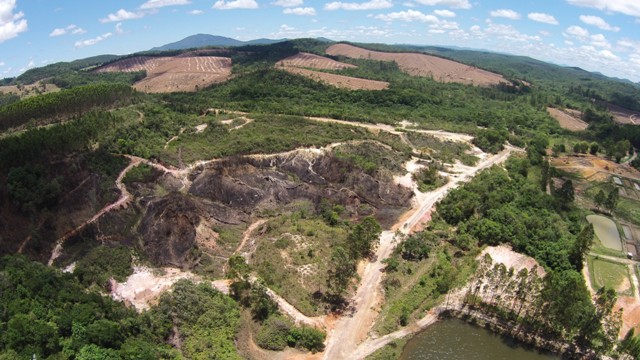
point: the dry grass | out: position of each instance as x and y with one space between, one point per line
341 81
171 74
567 119
415 64
29 90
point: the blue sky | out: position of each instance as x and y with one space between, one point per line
597 35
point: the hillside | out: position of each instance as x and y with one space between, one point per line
205 40
306 199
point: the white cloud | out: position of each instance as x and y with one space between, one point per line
505 13
627 7
598 40
408 16
58 32
1 63
544 33
598 22
10 24
369 5
235 4
71 29
153 4
508 32
444 13
308 11
195 12
582 35
608 55
95 40
288 3
456 4
577 31
121 15
543 18
119 29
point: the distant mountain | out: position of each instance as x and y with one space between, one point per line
204 40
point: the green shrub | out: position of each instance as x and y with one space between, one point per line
307 337
274 334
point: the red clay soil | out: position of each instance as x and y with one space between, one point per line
415 64
171 74
567 120
341 81
306 60
624 116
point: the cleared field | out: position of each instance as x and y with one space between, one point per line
624 116
606 231
306 60
171 74
567 121
29 90
610 274
414 64
341 81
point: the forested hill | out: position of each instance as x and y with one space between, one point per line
560 79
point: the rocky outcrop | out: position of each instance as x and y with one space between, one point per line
168 230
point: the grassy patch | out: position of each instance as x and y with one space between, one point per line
267 134
414 287
293 255
629 210
609 274
445 151
391 351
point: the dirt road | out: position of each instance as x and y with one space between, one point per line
351 330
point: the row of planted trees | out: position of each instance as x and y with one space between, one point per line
50 107
556 306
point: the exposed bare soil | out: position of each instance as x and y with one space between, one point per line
624 116
341 81
171 74
306 60
415 64
29 90
593 167
568 119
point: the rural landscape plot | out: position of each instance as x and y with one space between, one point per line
171 74
415 64
302 63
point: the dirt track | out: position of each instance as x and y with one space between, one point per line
351 330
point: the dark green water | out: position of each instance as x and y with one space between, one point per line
455 339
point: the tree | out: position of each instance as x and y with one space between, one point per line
594 148
363 238
600 198
341 272
566 193
612 200
581 247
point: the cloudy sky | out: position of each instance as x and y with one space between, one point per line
597 35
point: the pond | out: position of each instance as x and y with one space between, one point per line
606 231
453 339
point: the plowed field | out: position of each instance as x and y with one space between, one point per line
414 64
341 81
170 74
306 60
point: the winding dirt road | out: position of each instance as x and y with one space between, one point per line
351 330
